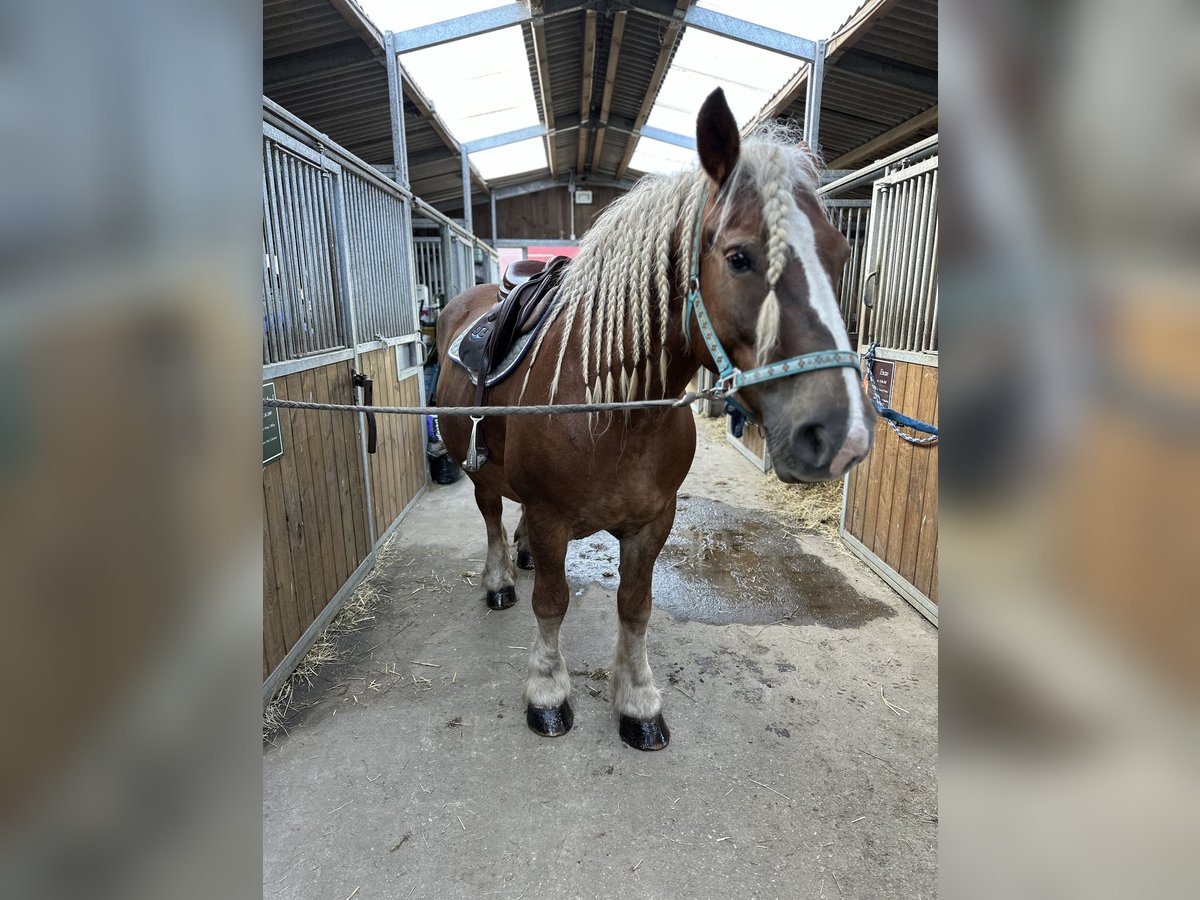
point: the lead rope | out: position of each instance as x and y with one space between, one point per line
481 411
893 418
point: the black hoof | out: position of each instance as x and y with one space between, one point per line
641 735
550 721
503 598
524 560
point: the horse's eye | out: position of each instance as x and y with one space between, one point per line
739 261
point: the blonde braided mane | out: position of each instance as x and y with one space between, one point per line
616 296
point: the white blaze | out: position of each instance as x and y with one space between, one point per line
822 298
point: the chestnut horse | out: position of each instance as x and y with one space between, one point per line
729 267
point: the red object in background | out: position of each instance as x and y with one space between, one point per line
508 256
548 253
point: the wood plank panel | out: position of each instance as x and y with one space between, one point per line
544 215
350 445
891 502
398 466
313 491
300 538
279 565
340 469
891 548
927 549
871 494
889 452
916 482
274 643
314 517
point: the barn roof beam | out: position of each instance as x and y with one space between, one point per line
545 184
744 32
508 137
570 123
462 27
860 24
542 60
585 97
669 40
321 61
901 132
614 56
867 65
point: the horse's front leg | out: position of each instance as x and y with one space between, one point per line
499 576
635 697
548 686
524 554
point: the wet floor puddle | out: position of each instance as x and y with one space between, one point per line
723 565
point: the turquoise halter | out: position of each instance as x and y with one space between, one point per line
730 378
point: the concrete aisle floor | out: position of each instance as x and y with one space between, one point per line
787 775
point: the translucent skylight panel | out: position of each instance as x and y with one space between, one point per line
398 15
479 86
511 159
703 62
750 76
814 19
657 156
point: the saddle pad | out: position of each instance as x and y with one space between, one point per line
506 366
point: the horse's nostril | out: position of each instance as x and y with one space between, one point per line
814 444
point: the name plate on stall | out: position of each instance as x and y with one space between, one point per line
883 370
272 436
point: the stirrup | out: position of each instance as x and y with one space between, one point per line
475 459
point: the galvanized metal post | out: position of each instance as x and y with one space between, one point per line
396 113
466 179
812 103
449 282
492 201
342 244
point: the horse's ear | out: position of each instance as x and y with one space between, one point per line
717 137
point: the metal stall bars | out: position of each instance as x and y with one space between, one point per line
303 303
851 217
890 503
430 271
900 297
338 297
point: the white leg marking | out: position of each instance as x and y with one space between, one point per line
824 301
499 571
634 693
547 684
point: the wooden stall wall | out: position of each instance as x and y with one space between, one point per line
543 215
891 507
398 470
752 444
315 531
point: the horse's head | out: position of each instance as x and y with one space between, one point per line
768 257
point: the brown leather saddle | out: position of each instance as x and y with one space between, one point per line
525 299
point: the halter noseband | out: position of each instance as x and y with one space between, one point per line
729 377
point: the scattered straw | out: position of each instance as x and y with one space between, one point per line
771 789
890 705
356 613
817 507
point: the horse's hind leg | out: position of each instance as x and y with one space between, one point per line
548 686
524 554
635 697
499 576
